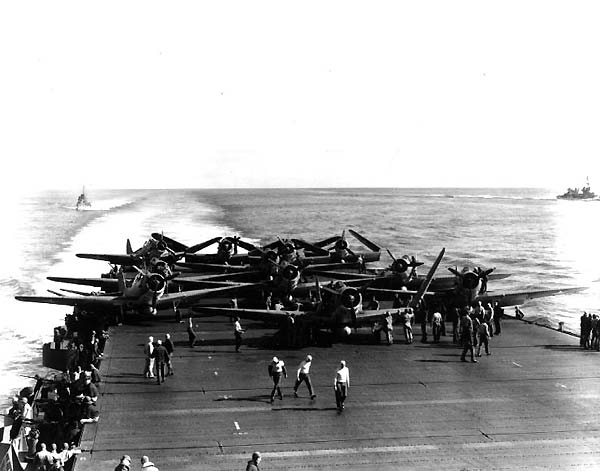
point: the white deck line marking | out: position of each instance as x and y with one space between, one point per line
516 364
237 426
271 409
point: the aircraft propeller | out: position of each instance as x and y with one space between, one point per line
401 265
470 279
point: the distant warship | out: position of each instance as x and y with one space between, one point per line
82 201
575 194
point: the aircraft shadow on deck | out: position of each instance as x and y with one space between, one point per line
563 348
435 361
305 409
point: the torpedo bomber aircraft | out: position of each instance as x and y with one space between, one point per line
145 281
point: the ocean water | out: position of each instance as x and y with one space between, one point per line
542 242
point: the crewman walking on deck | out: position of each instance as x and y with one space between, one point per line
276 371
466 337
303 375
149 365
191 333
237 332
341 383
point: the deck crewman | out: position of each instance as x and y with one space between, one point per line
148 350
237 332
303 375
341 383
276 371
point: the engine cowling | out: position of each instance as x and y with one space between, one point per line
400 265
225 246
290 272
351 298
470 280
156 283
341 244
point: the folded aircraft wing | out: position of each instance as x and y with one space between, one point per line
515 299
186 297
106 284
80 301
115 259
339 275
374 247
404 293
252 314
211 267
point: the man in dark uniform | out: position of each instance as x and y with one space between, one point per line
276 371
191 333
466 337
168 343
498 312
161 357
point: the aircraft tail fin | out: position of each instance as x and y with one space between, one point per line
128 248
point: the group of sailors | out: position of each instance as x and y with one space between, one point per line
485 323
55 410
590 331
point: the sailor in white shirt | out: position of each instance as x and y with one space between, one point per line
303 375
341 384
237 332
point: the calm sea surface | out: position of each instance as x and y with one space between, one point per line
542 242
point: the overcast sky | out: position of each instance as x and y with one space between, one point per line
277 94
